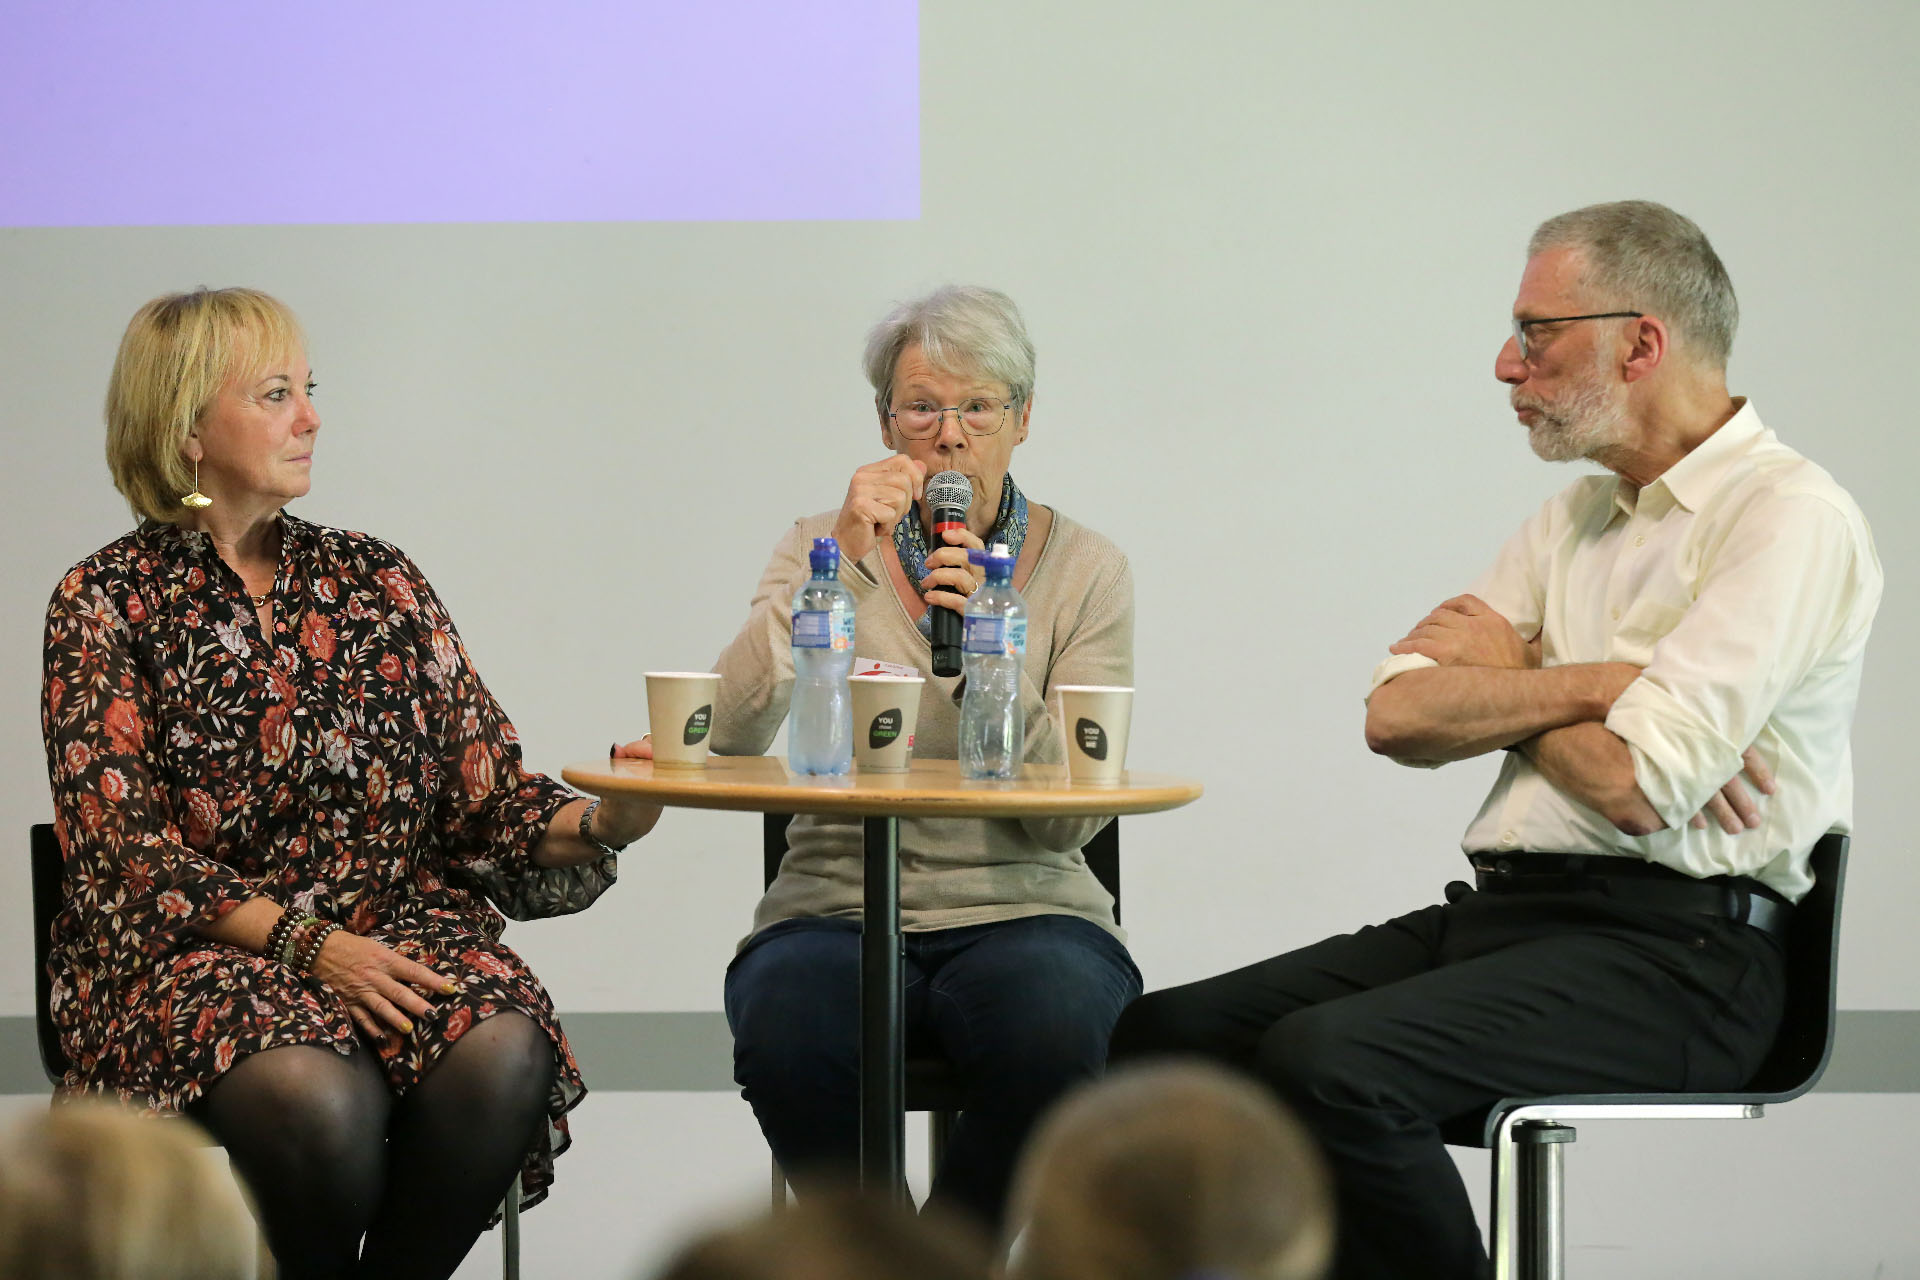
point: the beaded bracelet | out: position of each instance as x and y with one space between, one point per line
302 929
288 927
277 936
310 948
298 939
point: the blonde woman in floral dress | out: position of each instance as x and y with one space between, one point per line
292 817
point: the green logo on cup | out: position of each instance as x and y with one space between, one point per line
1092 739
697 725
884 729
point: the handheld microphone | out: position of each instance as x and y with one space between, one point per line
949 494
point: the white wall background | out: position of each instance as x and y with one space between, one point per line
1267 252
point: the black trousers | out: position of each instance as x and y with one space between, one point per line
1379 1037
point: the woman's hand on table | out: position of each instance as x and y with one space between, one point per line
620 820
382 988
877 499
951 576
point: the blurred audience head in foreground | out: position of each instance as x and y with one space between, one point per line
1172 1170
837 1234
91 1191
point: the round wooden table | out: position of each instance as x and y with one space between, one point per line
929 788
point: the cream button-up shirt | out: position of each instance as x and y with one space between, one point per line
1743 583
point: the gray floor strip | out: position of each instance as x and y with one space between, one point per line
1875 1051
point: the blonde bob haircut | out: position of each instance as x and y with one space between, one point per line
91 1191
177 354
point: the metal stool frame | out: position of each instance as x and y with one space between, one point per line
1527 1135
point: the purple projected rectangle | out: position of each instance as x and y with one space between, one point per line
196 112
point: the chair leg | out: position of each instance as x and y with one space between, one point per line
510 1232
939 1133
1541 1194
939 1129
778 1186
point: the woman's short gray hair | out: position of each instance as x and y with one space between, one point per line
1643 256
960 329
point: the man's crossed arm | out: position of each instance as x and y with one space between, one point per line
1490 691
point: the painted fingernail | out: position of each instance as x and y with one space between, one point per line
407 1027
613 749
448 989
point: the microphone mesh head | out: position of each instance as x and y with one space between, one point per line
949 490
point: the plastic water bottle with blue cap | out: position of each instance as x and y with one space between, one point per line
820 717
993 721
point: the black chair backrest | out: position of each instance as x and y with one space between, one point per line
45 852
1800 1055
1102 853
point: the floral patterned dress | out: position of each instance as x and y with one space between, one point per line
352 765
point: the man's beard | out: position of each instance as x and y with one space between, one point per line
1587 419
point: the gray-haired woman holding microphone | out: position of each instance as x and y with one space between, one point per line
1015 969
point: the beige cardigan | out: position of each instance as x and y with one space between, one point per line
953 871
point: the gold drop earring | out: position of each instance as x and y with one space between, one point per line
196 500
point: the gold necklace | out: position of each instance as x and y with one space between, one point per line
260 601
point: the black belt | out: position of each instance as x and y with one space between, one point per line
1741 899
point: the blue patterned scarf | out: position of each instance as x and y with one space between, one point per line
910 539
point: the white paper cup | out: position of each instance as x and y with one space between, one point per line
886 710
680 716
1095 719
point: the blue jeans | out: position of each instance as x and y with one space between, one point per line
1022 1008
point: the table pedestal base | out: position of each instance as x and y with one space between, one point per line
882 1016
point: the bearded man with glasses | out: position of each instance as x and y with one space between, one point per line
1670 656
1015 966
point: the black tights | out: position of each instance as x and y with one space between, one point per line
331 1156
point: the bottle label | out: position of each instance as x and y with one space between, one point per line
822 629
998 637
